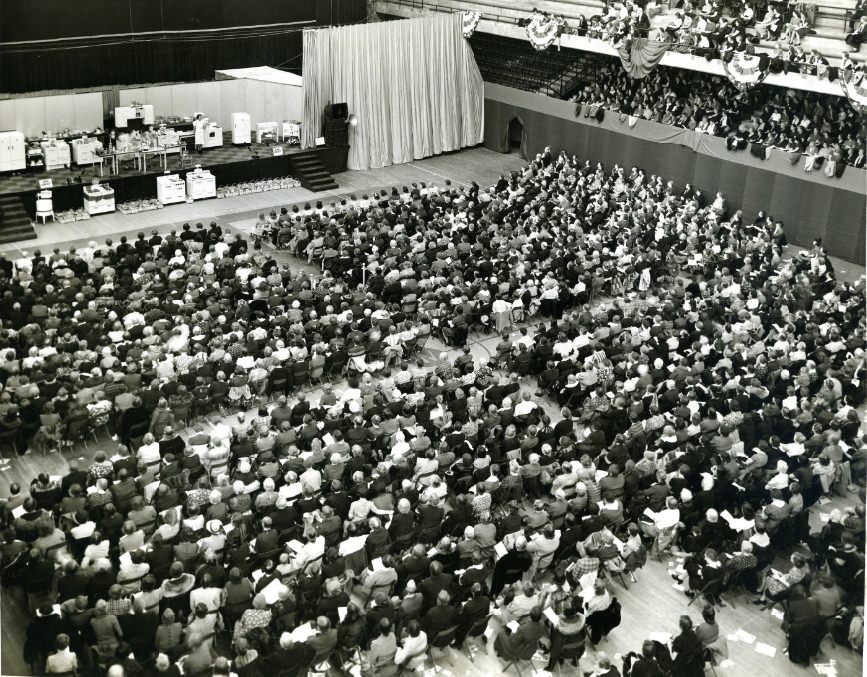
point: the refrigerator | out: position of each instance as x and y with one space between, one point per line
240 128
13 153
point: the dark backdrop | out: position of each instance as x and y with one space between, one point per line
808 209
88 43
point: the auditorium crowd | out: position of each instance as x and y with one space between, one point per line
719 28
665 380
806 125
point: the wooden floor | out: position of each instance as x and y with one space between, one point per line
648 606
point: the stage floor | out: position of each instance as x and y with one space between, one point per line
476 164
17 183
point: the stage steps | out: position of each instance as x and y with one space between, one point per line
309 170
15 224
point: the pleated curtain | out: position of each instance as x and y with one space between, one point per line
413 85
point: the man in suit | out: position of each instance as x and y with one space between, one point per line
441 617
338 499
413 567
511 566
283 516
475 574
281 413
291 659
74 476
268 539
325 639
377 540
475 609
435 583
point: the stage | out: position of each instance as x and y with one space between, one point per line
229 164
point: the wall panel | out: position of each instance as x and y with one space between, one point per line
60 112
30 116
184 101
274 106
7 115
88 110
210 101
234 94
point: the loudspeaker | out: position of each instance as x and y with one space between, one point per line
337 137
339 111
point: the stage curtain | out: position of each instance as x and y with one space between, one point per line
412 84
642 56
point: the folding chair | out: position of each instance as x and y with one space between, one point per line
441 641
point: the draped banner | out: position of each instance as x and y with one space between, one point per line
642 56
745 71
471 20
855 88
413 86
544 29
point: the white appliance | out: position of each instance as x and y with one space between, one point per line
267 131
201 184
13 152
137 111
84 151
57 154
98 199
213 136
171 189
292 132
240 128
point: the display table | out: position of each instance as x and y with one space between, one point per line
201 184
124 156
98 199
85 151
170 140
56 154
160 152
267 131
171 189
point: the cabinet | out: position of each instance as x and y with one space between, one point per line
98 199
13 153
143 112
201 184
85 151
170 189
57 154
35 158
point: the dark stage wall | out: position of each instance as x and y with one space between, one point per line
126 42
810 207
